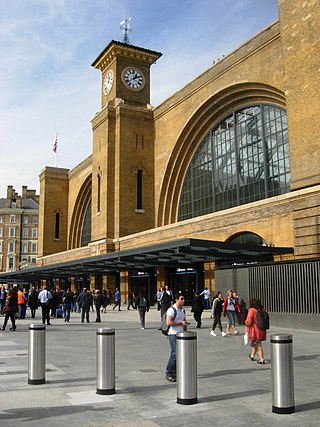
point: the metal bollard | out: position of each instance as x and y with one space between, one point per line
187 368
282 374
105 361
37 354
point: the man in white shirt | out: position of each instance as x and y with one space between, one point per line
176 320
45 298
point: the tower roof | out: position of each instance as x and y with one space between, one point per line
115 48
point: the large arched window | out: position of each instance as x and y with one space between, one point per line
86 229
243 159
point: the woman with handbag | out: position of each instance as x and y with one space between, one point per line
10 309
255 335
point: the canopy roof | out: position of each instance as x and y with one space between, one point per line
185 253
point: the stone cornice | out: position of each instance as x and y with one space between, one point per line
115 49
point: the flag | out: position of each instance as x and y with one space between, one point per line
55 145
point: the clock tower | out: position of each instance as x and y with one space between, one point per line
125 73
123 144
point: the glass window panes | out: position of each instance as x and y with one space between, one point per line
243 159
12 219
25 232
34 248
86 229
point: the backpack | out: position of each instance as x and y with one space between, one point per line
164 327
263 320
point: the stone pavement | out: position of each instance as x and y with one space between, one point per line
232 390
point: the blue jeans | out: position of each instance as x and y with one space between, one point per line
172 362
67 309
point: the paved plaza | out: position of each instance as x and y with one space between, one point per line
232 390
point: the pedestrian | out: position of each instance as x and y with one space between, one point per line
255 335
10 308
84 301
143 305
131 300
45 298
165 300
217 308
197 308
3 296
67 304
21 302
117 299
206 297
33 301
230 307
176 320
98 301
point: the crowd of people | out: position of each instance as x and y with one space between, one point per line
60 303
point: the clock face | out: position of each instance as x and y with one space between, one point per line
133 78
108 82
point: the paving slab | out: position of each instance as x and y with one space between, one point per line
231 389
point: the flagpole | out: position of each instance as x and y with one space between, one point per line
55 149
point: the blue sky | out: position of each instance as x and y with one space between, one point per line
47 84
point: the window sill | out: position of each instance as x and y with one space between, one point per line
140 211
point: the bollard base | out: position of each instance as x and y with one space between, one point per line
289 410
187 401
109 391
35 382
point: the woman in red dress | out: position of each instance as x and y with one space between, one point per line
256 335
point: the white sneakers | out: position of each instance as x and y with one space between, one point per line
214 334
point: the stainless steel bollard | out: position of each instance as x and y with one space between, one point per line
187 368
105 361
282 374
37 354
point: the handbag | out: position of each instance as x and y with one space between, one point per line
246 338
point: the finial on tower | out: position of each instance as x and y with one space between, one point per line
125 27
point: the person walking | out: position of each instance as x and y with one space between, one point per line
3 297
84 301
117 299
143 305
217 308
98 301
33 301
10 309
255 335
131 300
67 304
45 298
197 308
176 320
206 297
230 307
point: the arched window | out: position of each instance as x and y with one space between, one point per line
86 229
243 159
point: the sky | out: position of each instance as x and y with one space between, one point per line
47 83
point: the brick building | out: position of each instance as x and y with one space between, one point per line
18 229
231 158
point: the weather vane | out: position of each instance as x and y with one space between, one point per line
125 27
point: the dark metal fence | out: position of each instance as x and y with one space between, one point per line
287 288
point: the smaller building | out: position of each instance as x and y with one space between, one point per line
18 229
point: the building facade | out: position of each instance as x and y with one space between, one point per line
18 229
231 157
